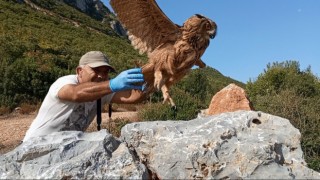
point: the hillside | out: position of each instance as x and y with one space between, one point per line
39 46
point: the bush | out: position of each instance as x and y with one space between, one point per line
27 81
4 110
188 107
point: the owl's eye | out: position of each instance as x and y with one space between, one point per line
208 26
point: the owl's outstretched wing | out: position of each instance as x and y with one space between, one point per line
147 25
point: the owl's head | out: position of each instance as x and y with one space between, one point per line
201 25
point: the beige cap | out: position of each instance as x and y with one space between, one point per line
95 59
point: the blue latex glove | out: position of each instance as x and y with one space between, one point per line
127 80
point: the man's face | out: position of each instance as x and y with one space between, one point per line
88 74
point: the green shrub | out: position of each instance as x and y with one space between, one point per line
116 125
188 107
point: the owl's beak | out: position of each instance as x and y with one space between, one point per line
212 34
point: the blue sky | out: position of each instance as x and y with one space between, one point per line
253 33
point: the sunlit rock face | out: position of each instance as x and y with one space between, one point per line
242 144
229 99
73 155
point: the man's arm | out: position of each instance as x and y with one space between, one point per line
123 84
92 91
84 92
128 97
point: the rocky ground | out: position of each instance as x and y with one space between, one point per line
14 126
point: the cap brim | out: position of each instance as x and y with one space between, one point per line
98 64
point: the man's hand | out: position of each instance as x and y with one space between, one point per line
88 73
127 80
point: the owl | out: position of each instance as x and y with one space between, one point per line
172 49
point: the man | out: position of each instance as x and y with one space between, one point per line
71 101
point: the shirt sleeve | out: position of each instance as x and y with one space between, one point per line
59 83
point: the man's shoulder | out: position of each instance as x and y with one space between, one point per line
64 80
71 76
72 79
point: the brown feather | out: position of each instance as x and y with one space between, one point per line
137 16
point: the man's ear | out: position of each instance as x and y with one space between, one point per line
78 71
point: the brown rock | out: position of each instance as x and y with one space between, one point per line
229 99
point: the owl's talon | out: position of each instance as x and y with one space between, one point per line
174 110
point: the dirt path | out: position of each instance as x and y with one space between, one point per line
12 130
14 126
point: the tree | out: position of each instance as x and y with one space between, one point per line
284 75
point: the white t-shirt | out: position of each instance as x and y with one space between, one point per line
57 115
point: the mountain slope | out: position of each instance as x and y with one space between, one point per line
40 46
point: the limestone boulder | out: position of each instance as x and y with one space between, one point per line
72 155
237 145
